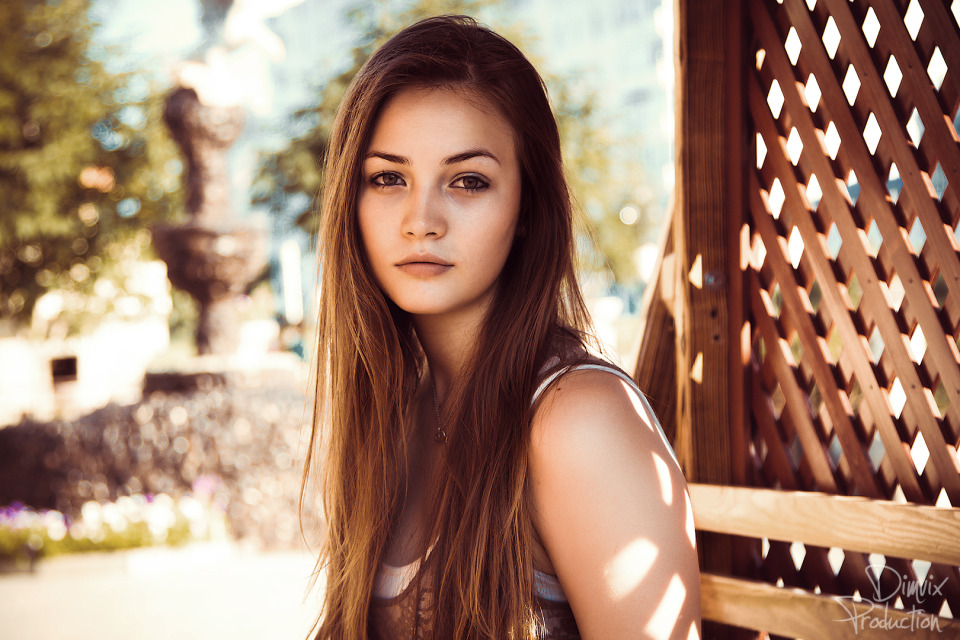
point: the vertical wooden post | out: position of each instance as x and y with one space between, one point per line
707 220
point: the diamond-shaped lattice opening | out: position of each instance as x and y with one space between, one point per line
895 292
794 146
940 290
798 552
871 27
915 127
835 558
761 349
955 8
897 397
876 450
795 452
898 496
811 4
793 46
811 92
919 453
941 398
856 396
937 69
874 239
943 500
815 296
759 253
834 344
939 181
834 242
776 300
872 133
761 151
835 451
851 85
913 18
831 37
894 182
776 198
855 292
853 186
795 247
831 140
918 344
892 76
761 451
876 345
775 99
921 568
875 563
813 191
779 401
816 399
918 237
796 348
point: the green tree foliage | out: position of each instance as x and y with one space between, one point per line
601 185
85 161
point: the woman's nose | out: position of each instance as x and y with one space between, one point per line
423 215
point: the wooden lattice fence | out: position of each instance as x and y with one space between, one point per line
853 278
843 304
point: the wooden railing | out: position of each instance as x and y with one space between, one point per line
854 524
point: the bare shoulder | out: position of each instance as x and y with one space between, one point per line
611 507
591 409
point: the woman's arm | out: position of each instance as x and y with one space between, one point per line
612 510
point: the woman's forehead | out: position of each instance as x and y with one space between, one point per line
438 116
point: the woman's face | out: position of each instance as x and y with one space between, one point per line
439 201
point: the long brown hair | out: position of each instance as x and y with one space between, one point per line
370 363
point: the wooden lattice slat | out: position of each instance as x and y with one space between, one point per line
852 285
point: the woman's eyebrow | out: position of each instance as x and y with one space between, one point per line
389 157
454 159
472 153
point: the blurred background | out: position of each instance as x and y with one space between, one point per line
159 164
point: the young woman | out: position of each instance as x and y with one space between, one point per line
482 475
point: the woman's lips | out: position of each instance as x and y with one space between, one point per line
424 269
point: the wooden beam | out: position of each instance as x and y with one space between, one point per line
708 200
796 613
911 531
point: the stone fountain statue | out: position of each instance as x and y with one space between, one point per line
214 257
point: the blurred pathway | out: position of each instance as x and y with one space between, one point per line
204 592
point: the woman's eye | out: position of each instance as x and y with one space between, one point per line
387 180
470 183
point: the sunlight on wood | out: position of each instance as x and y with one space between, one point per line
696 371
696 272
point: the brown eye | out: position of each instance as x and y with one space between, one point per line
471 183
387 180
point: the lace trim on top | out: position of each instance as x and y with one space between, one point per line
391 581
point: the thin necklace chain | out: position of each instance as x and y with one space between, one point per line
441 433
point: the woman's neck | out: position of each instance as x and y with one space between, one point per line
448 342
